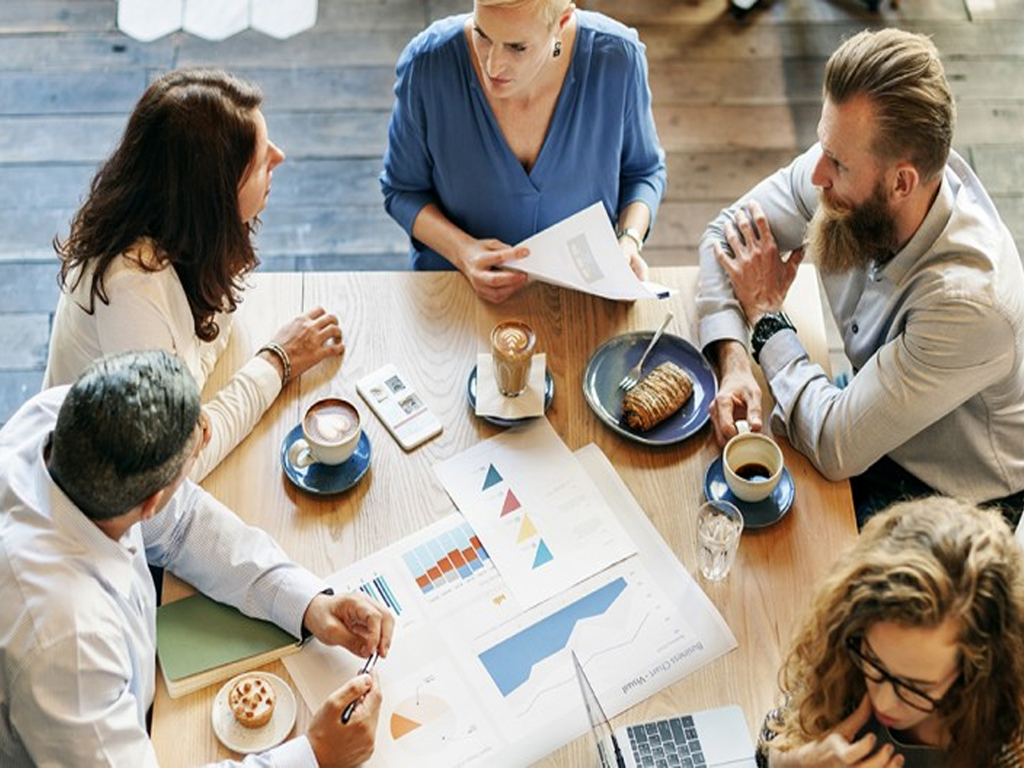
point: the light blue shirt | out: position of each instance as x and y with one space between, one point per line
445 146
936 337
78 609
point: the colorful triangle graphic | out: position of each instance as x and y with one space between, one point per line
400 726
543 555
493 477
527 531
511 504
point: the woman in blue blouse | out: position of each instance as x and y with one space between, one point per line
510 119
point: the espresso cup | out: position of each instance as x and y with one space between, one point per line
752 464
512 345
330 433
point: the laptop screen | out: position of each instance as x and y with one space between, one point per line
600 728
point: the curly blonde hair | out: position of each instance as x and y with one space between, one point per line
917 565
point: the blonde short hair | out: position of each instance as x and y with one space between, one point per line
901 74
549 10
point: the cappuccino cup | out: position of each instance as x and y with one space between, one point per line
512 345
752 464
330 433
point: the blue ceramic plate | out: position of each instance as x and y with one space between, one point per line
613 360
325 479
549 393
756 514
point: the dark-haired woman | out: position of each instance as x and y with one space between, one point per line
157 254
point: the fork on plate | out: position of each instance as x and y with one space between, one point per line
632 378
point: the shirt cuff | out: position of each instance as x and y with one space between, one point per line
406 206
779 351
264 375
294 753
293 598
725 325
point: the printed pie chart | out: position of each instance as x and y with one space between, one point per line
423 724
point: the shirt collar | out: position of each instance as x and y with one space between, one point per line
934 223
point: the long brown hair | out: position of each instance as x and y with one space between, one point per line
919 564
174 180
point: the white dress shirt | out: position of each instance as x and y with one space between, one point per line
148 310
936 338
78 609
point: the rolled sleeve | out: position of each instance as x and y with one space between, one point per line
789 200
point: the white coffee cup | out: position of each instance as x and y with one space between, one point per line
330 433
752 463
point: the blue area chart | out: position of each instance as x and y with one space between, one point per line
510 662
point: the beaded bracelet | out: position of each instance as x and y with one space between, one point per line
278 351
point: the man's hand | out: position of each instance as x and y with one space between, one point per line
739 396
839 749
478 265
760 278
352 621
343 745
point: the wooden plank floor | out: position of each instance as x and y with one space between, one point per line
733 101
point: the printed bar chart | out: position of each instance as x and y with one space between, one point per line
452 556
378 589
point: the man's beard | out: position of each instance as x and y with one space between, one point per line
851 238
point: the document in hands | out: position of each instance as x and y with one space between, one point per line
581 253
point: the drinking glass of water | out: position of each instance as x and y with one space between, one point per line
719 525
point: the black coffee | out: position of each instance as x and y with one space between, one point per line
754 472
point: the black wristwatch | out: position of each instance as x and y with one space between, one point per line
769 324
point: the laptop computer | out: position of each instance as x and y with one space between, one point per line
713 738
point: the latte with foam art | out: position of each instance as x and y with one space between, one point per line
512 344
333 422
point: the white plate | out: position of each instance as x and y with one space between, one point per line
236 736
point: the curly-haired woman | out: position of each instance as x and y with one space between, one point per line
913 652
158 252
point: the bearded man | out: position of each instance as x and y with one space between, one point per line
923 278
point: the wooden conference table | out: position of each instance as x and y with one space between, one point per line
431 326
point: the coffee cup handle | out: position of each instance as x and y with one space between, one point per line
742 427
300 455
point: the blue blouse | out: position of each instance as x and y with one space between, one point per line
445 146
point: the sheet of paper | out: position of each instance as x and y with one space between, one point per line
490 402
474 679
581 252
540 516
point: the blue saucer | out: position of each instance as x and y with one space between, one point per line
549 393
756 514
325 479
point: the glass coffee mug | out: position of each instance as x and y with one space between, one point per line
512 346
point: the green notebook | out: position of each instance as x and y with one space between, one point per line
200 642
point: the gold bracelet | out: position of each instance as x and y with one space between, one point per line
278 351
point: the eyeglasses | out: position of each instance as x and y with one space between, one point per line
907 693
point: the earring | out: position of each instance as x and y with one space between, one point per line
558 49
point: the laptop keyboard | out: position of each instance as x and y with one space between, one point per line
668 743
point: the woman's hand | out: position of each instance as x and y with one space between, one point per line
839 749
632 253
478 264
308 339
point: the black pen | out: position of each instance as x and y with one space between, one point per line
351 708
